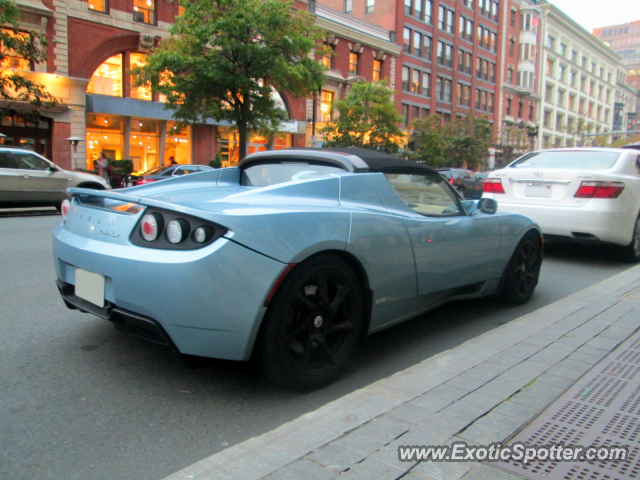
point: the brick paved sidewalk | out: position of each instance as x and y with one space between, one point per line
481 392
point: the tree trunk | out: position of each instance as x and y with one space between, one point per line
243 139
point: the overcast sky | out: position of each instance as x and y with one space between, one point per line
597 13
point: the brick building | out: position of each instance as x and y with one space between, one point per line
91 46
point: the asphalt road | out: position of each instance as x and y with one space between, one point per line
79 400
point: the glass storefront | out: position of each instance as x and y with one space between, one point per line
29 134
177 143
144 92
143 149
104 134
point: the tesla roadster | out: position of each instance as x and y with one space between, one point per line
289 259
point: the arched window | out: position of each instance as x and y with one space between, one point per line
109 77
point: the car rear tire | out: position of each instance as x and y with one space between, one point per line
313 325
631 252
521 275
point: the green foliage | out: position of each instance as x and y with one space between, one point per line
428 142
367 119
216 162
463 143
121 167
224 56
16 88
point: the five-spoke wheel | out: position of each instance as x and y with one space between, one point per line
313 324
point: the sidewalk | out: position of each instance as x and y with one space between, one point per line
481 392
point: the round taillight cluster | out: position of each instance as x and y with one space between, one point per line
65 207
169 230
150 226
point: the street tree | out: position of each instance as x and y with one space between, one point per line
19 94
367 118
224 57
427 142
468 141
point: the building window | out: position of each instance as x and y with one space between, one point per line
326 101
445 54
377 70
9 57
353 63
426 84
563 50
551 42
348 6
417 8
531 112
428 11
450 14
369 6
417 44
101 6
441 17
510 75
405 78
426 50
407 40
143 92
513 17
107 79
327 56
407 7
405 115
520 108
508 111
415 81
443 89
144 11
415 113
512 47
463 94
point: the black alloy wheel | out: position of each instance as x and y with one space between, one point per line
523 270
313 325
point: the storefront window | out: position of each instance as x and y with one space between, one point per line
107 79
104 134
143 144
228 145
144 92
178 143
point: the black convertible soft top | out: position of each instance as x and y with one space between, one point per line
365 160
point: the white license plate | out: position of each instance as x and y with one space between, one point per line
90 287
538 191
129 184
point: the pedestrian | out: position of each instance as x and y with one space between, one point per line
172 161
103 166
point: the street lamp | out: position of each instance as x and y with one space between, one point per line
532 133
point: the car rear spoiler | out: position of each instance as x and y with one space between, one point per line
90 194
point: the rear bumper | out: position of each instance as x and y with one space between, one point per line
596 222
207 302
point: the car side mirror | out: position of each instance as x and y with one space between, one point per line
488 206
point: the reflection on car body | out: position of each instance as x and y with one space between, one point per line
292 271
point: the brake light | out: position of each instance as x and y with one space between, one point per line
599 190
64 208
452 181
143 180
492 185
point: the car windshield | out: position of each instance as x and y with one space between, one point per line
274 173
573 160
158 171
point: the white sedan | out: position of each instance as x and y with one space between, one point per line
580 194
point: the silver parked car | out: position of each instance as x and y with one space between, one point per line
29 179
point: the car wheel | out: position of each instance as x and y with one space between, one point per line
313 325
520 277
631 252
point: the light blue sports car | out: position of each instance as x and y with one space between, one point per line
289 259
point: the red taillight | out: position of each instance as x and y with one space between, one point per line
599 190
142 181
64 208
492 185
452 181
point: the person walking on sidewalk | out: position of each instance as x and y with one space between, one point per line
103 166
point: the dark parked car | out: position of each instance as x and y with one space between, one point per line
161 173
464 181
